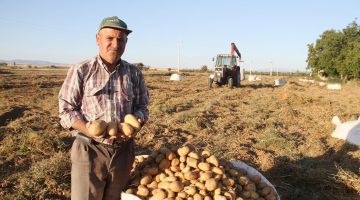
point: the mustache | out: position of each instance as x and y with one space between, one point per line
113 49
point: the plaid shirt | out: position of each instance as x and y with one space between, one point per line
91 92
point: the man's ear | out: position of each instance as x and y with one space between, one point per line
97 38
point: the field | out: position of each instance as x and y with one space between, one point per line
283 132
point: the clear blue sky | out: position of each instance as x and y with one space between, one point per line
267 33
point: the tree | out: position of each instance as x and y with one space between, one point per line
204 68
140 65
337 53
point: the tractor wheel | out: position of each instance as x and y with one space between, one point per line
230 83
210 81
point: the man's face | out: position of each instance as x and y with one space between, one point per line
111 44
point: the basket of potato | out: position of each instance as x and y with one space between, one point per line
185 174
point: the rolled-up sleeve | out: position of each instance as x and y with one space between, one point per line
141 98
70 96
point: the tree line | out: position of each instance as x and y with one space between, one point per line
337 53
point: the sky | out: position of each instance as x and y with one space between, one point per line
186 34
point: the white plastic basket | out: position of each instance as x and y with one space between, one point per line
252 172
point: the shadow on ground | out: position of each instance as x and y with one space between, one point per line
314 178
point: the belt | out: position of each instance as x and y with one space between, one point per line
109 142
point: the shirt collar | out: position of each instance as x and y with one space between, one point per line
102 64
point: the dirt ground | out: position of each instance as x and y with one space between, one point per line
283 132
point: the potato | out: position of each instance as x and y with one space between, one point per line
265 191
233 172
219 197
176 186
256 179
204 176
175 168
142 191
133 121
205 154
130 191
198 197
192 162
261 185
203 192
164 185
204 166
97 127
211 184
170 155
254 195
112 128
228 195
186 169
164 150
227 182
194 155
126 129
200 185
207 198
243 180
270 197
159 195
245 194
217 191
182 194
175 162
217 170
170 194
170 179
181 165
159 158
182 159
146 179
191 175
190 190
169 172
164 164
183 151
151 170
250 187
213 160
153 185
162 177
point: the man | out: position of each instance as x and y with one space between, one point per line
106 88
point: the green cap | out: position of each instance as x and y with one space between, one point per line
114 22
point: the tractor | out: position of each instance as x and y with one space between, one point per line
227 71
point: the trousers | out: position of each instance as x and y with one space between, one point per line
100 172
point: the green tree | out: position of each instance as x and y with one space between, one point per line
337 53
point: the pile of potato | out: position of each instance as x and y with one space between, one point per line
184 174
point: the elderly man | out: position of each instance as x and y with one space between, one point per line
107 88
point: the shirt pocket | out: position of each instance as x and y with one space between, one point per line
127 98
94 102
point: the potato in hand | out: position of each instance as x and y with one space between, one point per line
126 129
97 128
133 121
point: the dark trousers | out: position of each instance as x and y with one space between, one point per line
100 172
